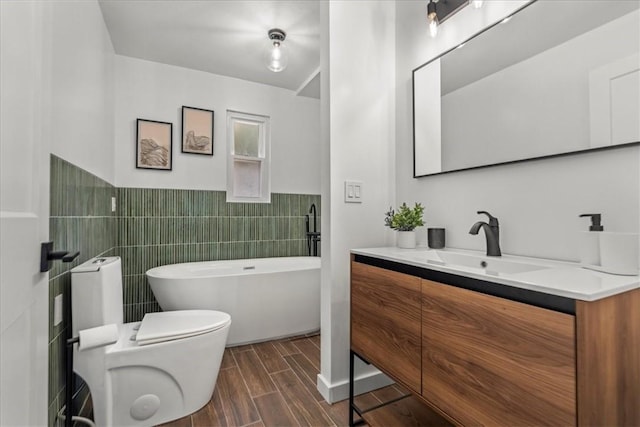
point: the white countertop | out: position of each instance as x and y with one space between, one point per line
565 279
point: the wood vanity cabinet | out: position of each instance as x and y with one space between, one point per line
480 359
385 321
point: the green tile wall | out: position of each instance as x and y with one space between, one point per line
154 227
80 220
159 226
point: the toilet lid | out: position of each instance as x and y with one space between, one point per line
172 325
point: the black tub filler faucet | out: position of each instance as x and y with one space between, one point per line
313 237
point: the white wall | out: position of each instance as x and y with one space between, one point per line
82 87
155 91
537 202
359 145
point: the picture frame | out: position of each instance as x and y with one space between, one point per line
197 130
154 144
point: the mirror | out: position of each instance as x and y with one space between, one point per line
558 77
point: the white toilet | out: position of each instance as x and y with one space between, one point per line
141 373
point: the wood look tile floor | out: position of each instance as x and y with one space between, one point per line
274 384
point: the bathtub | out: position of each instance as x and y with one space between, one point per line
267 298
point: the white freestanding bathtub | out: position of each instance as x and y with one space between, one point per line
267 298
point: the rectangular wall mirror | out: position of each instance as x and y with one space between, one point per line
558 77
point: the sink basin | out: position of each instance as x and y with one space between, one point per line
488 265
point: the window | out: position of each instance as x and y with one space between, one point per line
248 178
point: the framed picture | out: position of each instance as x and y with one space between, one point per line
154 141
197 131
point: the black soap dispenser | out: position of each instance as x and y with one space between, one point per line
596 220
590 242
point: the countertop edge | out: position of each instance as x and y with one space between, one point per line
627 283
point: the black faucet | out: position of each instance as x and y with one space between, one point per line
491 231
313 237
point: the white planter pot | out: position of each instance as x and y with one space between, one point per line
406 239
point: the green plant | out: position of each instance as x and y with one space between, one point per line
406 219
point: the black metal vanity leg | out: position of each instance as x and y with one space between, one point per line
351 364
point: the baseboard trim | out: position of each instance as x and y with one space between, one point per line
339 390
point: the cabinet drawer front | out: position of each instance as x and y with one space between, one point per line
385 321
491 361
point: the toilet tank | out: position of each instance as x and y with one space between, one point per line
96 293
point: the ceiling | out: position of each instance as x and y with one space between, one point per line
225 37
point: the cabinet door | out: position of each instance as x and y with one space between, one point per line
492 361
385 321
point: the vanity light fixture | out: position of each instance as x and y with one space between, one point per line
439 10
276 56
432 18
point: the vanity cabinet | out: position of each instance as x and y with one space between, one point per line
479 357
491 361
385 321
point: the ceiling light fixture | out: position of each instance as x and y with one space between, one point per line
276 57
439 10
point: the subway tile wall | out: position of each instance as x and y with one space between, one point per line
159 226
80 220
154 227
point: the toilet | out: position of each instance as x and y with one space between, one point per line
141 373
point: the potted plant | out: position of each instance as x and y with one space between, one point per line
405 220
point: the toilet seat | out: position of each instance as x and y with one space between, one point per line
173 325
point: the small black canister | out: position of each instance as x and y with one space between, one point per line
435 238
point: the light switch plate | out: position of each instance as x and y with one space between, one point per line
353 191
